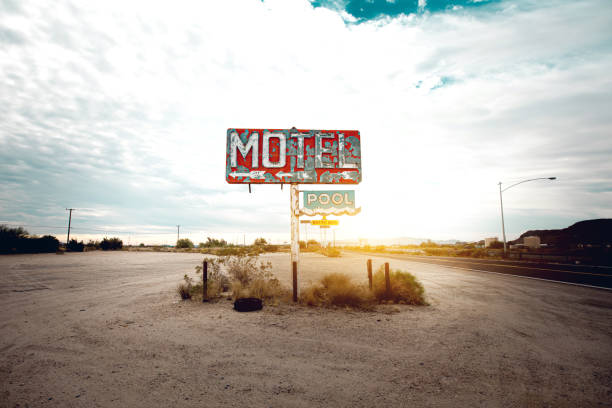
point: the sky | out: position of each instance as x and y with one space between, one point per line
120 110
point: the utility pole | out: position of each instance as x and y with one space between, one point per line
501 204
69 221
178 235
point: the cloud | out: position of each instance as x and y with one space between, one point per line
123 107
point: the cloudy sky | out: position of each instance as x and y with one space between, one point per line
120 109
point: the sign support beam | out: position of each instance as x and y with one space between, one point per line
295 234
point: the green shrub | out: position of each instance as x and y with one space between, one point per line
111 244
75 246
184 243
17 240
213 243
405 288
244 273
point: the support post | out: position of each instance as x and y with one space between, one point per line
387 281
370 273
295 235
295 292
69 222
204 282
501 204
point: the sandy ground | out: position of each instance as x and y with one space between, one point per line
106 329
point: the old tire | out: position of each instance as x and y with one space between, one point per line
248 304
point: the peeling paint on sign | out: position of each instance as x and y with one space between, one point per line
275 156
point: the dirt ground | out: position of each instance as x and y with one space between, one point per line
107 330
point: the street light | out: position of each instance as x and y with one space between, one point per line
501 202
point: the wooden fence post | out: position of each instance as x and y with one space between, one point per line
295 291
370 273
204 282
387 281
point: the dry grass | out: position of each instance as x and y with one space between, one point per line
337 289
184 290
331 252
268 290
405 288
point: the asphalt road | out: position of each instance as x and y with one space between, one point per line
598 276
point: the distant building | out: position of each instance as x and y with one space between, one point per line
531 242
489 241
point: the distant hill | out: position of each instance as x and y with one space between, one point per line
597 232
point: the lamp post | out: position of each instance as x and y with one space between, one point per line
501 202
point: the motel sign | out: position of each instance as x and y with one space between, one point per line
292 156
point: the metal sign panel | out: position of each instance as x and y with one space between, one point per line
322 200
275 156
325 222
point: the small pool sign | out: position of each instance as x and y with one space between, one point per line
326 199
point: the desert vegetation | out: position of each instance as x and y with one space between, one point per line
332 252
75 246
184 243
18 241
337 289
110 244
217 282
245 274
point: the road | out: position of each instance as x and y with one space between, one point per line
599 276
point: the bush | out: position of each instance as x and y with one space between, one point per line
331 252
405 288
184 243
111 244
217 282
213 243
260 242
248 277
17 240
75 246
184 289
91 245
337 289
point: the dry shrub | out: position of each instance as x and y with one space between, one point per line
253 279
184 289
245 268
405 288
217 282
331 252
337 289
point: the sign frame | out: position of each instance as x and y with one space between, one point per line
288 156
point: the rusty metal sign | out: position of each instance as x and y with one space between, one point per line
324 222
275 156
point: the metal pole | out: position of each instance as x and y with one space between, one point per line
295 235
501 204
178 229
205 282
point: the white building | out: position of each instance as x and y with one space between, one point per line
531 242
